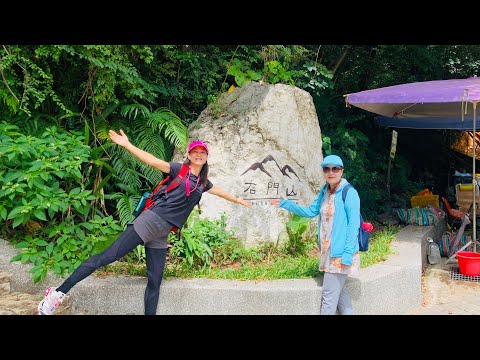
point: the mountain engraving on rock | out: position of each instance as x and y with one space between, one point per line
286 170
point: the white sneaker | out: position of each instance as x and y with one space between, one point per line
51 301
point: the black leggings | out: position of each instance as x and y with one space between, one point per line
125 243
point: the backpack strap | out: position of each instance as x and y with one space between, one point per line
163 182
344 196
178 179
344 191
175 182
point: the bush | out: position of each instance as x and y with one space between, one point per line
42 197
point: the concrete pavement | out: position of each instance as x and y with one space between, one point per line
444 295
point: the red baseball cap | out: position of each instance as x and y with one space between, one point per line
196 143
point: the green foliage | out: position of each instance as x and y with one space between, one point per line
27 84
97 76
42 176
153 92
292 65
277 267
232 260
63 247
125 206
275 73
214 106
186 75
44 199
241 74
314 78
267 262
151 131
296 226
197 237
111 71
326 145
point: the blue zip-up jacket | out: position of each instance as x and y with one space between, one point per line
346 220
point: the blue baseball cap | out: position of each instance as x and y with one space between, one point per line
333 160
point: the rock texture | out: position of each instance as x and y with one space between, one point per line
264 142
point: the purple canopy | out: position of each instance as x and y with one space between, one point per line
452 100
420 99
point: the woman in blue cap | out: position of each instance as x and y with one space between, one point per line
337 235
152 227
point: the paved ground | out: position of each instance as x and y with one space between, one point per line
441 296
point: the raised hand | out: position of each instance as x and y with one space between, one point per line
120 139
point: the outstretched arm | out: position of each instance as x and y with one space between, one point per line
122 140
215 190
310 212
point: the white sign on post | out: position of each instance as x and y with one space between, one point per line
393 147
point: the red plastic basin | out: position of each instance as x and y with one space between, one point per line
469 263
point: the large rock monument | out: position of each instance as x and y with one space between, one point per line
264 141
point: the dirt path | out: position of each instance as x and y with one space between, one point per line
17 303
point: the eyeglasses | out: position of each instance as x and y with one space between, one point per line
334 169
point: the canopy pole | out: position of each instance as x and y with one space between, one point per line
474 177
474 191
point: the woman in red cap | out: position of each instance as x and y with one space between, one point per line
152 226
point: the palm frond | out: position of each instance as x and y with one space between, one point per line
125 207
153 144
125 170
170 125
152 176
133 110
150 141
127 189
151 132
